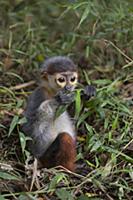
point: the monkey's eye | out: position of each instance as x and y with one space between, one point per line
61 80
73 79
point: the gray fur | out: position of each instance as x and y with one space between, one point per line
58 64
42 126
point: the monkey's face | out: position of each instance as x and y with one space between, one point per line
61 80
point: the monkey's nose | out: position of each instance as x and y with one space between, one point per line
68 87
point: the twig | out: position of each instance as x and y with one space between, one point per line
120 51
128 65
21 86
94 27
5 166
34 177
68 171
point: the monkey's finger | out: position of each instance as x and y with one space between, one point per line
67 99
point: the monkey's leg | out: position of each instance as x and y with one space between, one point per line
61 152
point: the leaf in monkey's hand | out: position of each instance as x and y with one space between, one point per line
78 106
60 110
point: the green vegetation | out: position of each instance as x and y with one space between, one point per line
98 35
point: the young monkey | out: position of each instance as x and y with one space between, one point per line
53 139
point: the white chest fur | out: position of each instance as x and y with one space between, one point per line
46 132
63 124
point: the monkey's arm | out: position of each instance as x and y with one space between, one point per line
48 108
34 101
38 126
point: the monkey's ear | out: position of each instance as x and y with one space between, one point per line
44 75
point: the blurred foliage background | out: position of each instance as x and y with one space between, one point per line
98 36
46 28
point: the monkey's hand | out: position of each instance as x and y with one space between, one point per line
88 92
64 97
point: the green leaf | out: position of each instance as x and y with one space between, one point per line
13 124
124 109
54 182
60 110
88 196
89 128
77 104
23 140
83 197
7 176
127 158
102 81
85 15
63 194
115 122
2 198
22 120
26 197
19 103
86 77
106 170
90 164
82 118
96 146
2 126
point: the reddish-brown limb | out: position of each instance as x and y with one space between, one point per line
61 152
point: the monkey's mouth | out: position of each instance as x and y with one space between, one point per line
69 88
